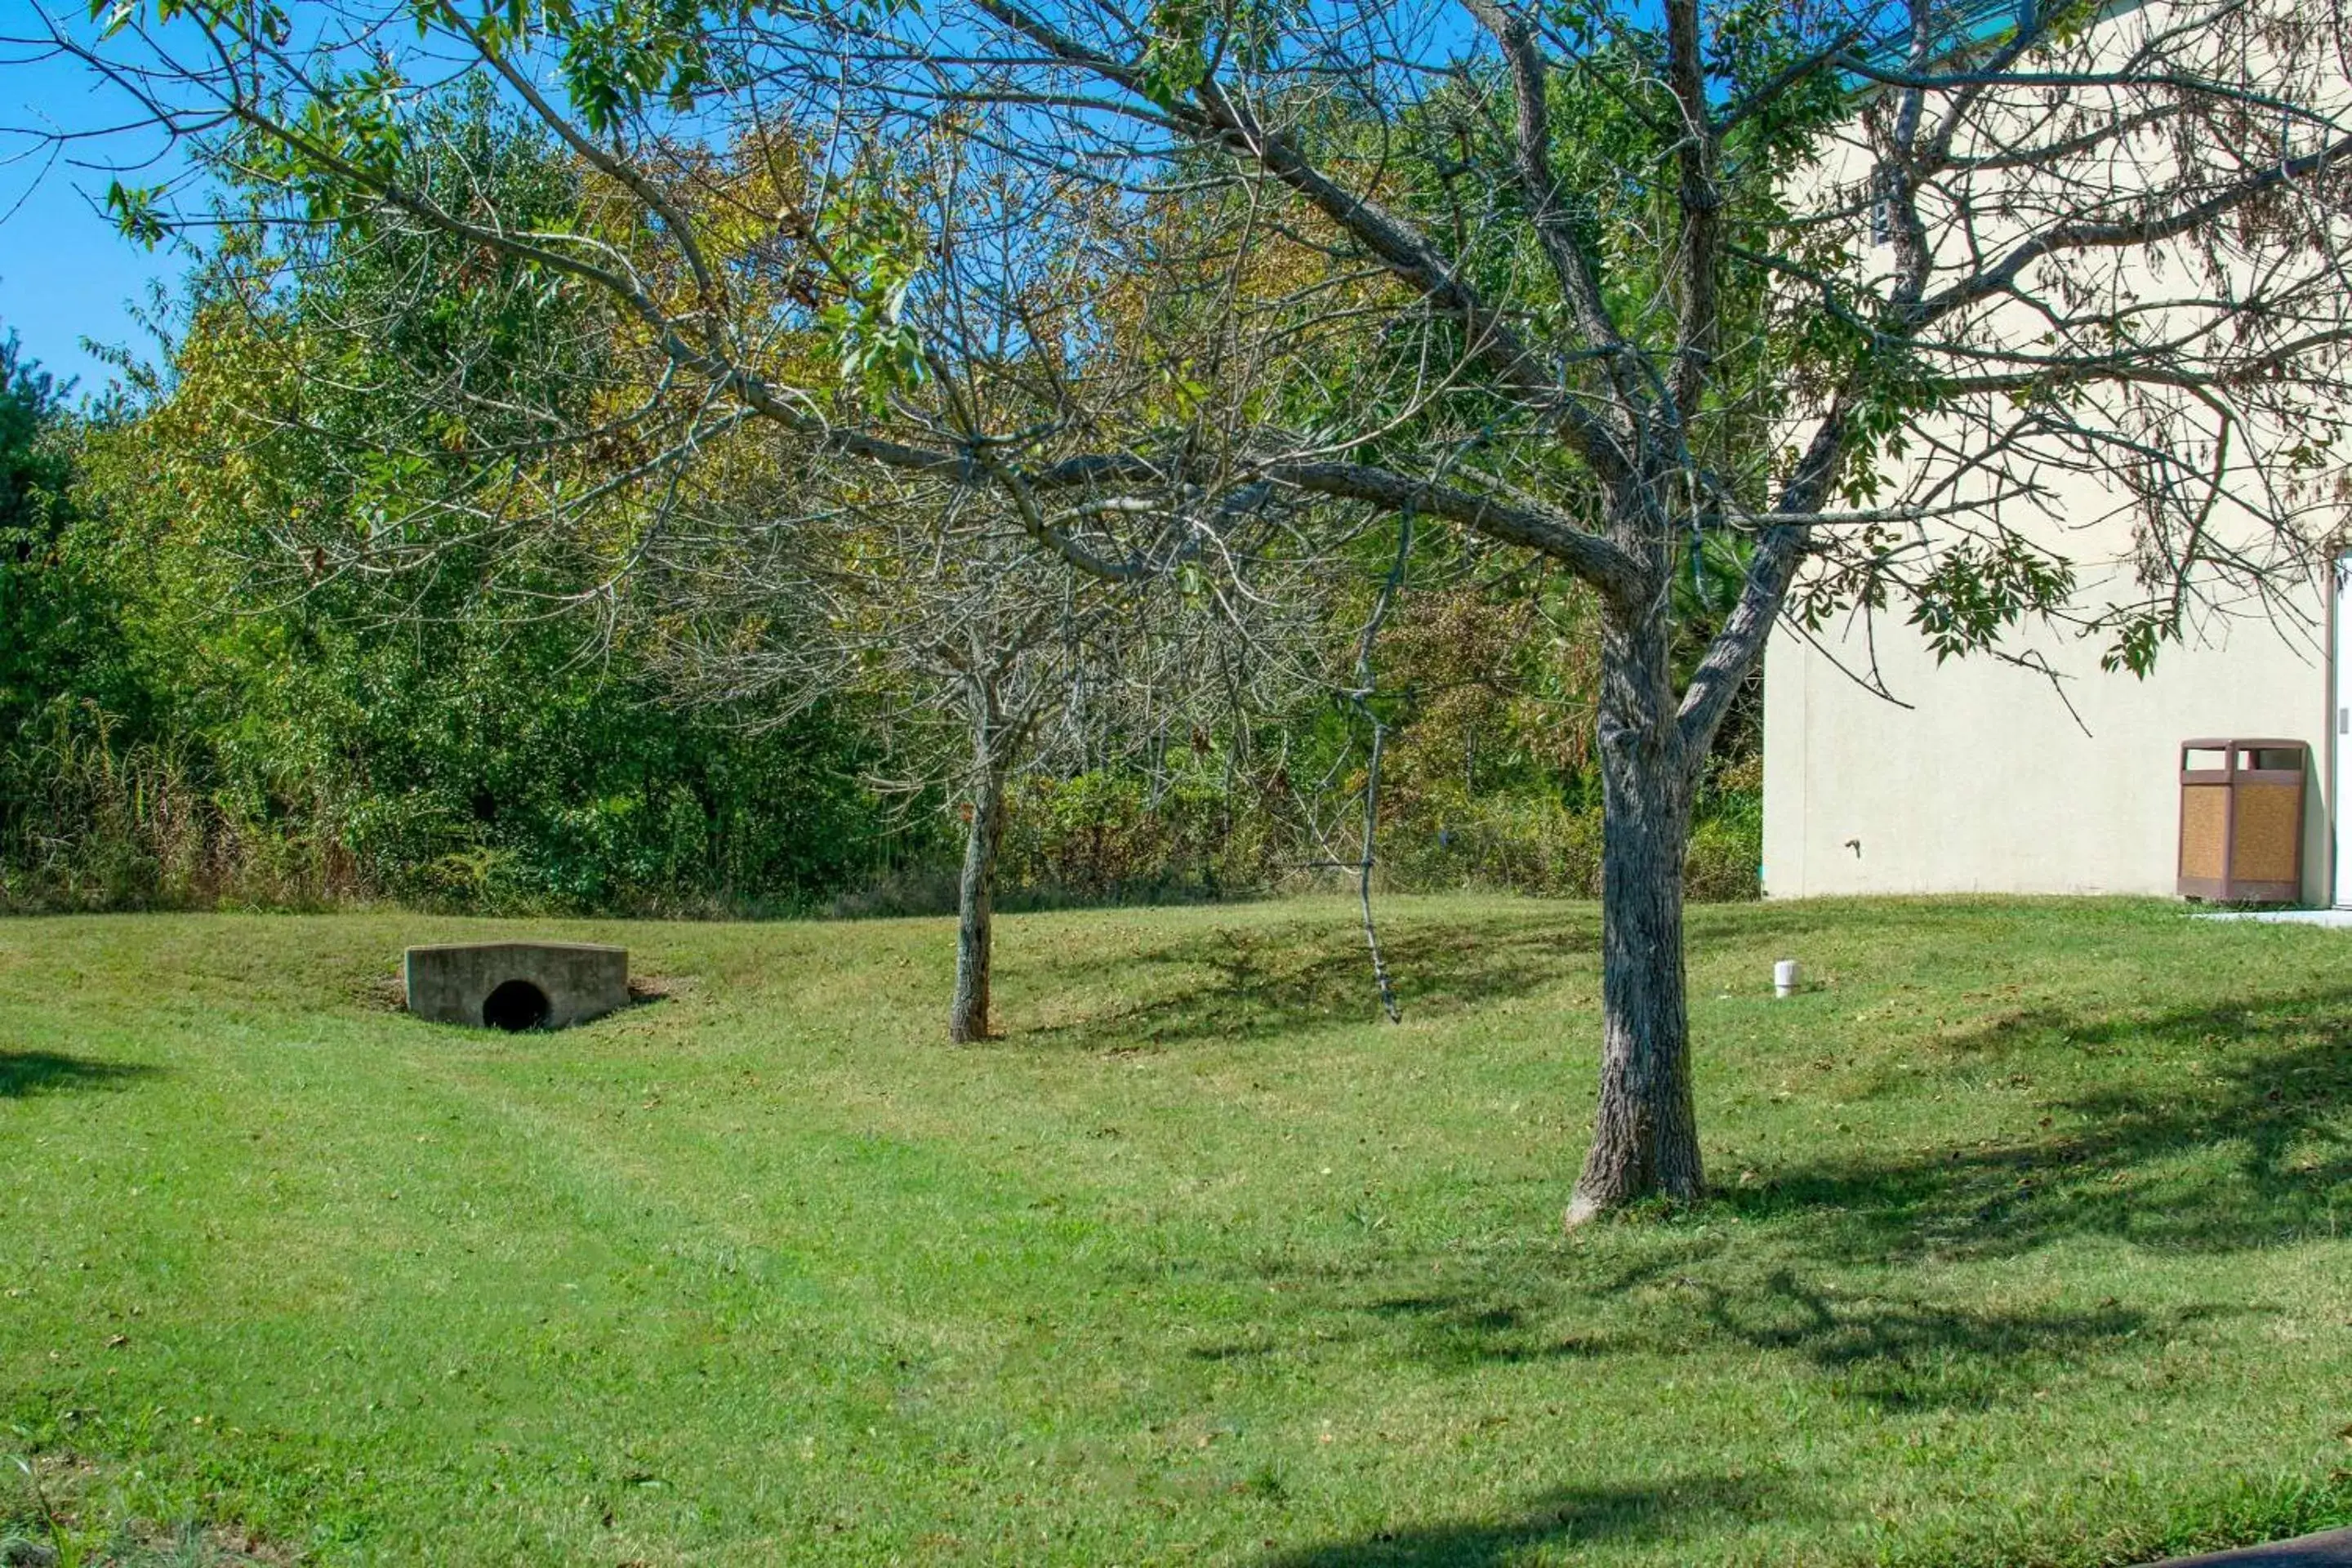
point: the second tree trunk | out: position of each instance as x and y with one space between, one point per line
1645 1131
976 898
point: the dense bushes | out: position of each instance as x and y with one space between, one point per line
173 735
648 814
194 710
1110 835
1103 836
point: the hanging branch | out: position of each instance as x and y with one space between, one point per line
1362 699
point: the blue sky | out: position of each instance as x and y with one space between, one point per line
65 273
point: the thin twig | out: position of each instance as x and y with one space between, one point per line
1360 697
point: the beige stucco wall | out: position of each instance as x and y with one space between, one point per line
1988 784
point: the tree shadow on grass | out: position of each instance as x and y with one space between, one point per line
1566 1517
2249 1149
1259 981
26 1073
1448 1330
1901 1352
2217 1128
1461 1330
1897 1350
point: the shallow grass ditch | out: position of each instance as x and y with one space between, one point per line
2028 1245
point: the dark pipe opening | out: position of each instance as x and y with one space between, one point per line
515 1005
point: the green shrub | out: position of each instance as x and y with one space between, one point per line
1541 846
1104 836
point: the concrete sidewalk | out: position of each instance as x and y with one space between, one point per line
2337 918
2332 1549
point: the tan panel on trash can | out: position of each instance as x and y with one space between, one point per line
2204 828
2270 833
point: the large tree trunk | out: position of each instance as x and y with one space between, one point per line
968 1016
1645 1133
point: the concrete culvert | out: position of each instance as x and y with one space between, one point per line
515 1005
516 984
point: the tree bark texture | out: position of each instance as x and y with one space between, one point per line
1646 1131
968 1017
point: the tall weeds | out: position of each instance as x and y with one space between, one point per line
85 823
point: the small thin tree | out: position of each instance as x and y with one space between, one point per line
977 657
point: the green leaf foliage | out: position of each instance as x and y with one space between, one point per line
195 707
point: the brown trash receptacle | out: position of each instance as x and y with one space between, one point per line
2241 822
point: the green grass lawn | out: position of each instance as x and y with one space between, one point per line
2026 1250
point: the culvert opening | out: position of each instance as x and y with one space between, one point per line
515 1005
